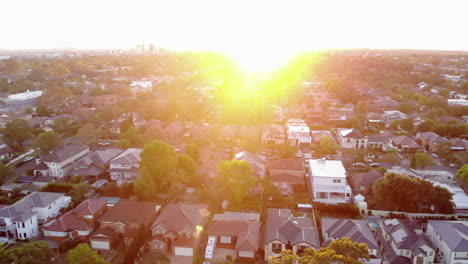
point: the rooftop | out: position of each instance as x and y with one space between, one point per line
327 168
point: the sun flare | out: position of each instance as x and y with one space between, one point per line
261 61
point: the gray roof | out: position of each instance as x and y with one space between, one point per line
129 156
99 157
403 233
64 152
356 230
283 226
453 233
21 210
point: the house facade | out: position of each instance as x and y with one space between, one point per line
78 223
21 219
59 161
298 132
284 231
273 134
451 240
124 167
175 230
285 173
328 181
351 139
237 233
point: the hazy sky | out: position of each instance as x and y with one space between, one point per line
234 25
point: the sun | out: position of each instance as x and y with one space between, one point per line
261 61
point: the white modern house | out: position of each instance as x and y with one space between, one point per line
298 132
20 220
451 240
124 167
328 181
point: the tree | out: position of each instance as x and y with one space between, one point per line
406 108
286 150
29 253
83 254
462 173
407 124
59 71
187 168
60 124
158 167
127 123
421 160
398 192
426 125
12 67
132 135
6 172
342 250
124 144
17 132
192 151
153 133
47 141
235 179
87 133
326 147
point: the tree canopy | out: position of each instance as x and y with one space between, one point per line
462 173
338 251
398 192
421 160
83 254
326 147
17 132
6 172
158 167
47 141
235 179
29 253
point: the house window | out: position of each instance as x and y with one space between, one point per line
301 249
420 260
225 239
336 181
348 140
363 141
276 248
24 225
24 235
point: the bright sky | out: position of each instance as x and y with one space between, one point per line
234 26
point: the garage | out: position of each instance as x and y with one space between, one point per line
246 254
100 245
183 251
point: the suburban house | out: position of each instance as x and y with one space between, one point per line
389 116
175 231
285 231
403 242
328 181
124 167
78 223
317 135
405 143
93 165
356 230
430 140
378 141
6 151
273 134
298 133
363 182
60 160
238 234
21 219
451 240
438 171
257 162
351 139
285 173
124 219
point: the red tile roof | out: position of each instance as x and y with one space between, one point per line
90 207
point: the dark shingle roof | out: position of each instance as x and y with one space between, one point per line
283 226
